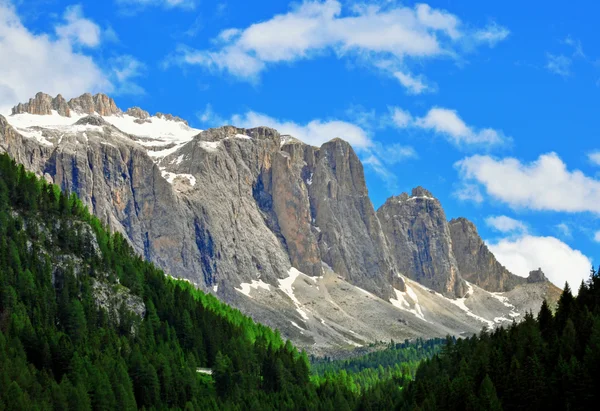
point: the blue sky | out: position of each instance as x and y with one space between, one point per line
492 107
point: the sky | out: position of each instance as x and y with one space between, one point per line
492 106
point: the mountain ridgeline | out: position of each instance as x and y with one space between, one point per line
240 212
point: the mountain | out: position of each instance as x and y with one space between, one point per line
280 229
476 262
417 231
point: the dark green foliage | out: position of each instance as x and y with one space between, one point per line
397 361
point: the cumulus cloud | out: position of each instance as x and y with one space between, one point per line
558 260
505 224
448 123
384 36
544 184
33 62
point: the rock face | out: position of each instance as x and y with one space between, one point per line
476 262
137 113
171 117
537 276
99 103
418 235
325 189
43 104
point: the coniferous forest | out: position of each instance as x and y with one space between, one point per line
74 334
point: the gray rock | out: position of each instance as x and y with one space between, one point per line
43 104
99 103
476 262
537 276
418 235
137 113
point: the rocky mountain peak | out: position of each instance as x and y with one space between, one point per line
537 276
171 117
137 113
43 104
476 262
99 103
421 192
418 235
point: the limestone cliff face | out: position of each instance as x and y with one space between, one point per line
537 276
476 262
90 104
418 235
43 104
350 239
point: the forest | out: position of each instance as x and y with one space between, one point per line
61 347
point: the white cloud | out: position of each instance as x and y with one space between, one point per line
597 236
448 123
545 184
492 34
383 36
38 62
559 262
413 84
469 192
594 157
558 64
401 118
78 29
506 224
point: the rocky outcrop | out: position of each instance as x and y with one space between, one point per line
350 239
418 235
537 276
476 262
99 103
171 117
137 113
43 104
